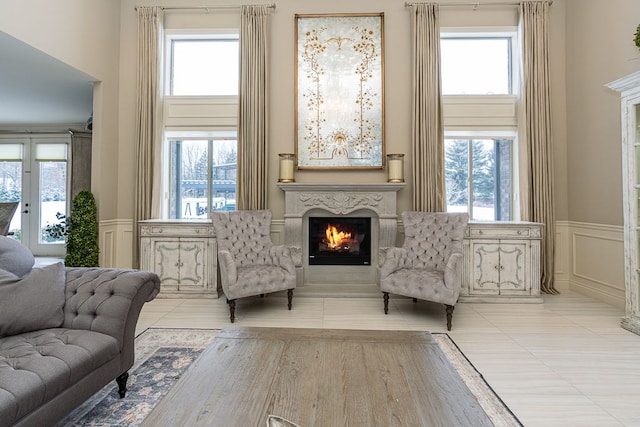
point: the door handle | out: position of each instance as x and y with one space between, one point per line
25 211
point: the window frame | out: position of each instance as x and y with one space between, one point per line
192 35
187 135
509 33
483 135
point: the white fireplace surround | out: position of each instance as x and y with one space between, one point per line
377 201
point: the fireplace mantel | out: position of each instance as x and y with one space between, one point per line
302 200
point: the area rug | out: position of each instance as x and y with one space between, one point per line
163 355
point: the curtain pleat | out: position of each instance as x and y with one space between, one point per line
538 148
253 120
426 107
148 107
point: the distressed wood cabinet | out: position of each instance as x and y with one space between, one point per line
501 262
183 254
629 88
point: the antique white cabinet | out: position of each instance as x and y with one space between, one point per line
629 88
183 254
501 262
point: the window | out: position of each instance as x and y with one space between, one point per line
476 64
202 177
478 177
204 65
200 154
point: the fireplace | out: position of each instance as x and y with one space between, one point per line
339 240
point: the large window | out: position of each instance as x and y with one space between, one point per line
200 153
476 64
202 177
478 176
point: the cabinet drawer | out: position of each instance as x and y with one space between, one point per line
500 232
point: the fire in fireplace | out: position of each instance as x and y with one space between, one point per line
339 241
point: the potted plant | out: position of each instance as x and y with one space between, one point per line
82 232
636 39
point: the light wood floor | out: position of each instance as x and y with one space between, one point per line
563 363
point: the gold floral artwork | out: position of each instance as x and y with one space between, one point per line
339 91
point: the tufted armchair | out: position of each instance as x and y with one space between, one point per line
428 265
250 264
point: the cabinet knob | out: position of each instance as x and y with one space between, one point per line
495 267
502 267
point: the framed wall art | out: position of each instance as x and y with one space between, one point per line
339 85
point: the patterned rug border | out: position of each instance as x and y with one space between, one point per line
495 408
152 339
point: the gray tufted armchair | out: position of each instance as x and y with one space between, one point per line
428 265
250 264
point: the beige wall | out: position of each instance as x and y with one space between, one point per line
397 83
86 36
591 44
599 50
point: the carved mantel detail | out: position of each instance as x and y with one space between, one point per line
376 200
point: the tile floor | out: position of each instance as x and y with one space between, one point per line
565 362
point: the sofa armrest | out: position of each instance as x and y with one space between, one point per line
107 300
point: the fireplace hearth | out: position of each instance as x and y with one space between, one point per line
339 240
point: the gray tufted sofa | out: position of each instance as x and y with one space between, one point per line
250 264
428 266
44 374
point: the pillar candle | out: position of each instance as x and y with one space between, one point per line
395 166
287 166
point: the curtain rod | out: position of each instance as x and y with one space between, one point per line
207 8
476 4
44 132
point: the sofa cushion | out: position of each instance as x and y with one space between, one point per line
37 366
15 257
33 302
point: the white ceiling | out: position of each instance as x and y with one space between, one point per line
37 89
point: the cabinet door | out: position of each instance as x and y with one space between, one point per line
192 268
513 277
166 255
486 267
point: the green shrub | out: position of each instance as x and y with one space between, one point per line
82 232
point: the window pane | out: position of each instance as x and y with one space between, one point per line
491 184
483 180
53 197
11 191
204 67
476 66
223 174
188 178
457 174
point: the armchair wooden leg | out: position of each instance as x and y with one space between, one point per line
232 309
289 297
385 297
449 315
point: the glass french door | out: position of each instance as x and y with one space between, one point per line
34 171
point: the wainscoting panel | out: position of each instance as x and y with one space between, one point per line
116 243
593 264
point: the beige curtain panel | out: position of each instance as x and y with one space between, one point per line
536 127
426 108
148 107
253 129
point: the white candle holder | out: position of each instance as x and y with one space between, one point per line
395 167
287 166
